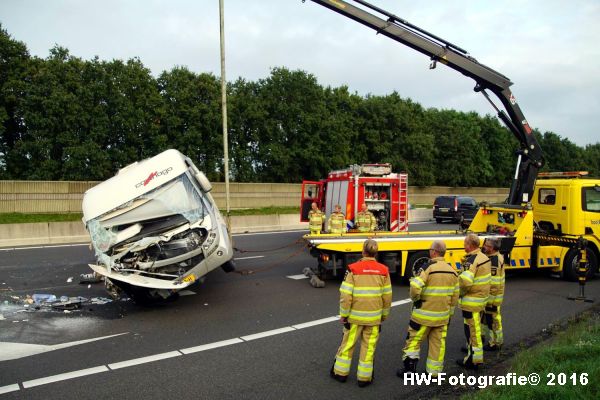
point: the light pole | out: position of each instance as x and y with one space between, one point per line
224 115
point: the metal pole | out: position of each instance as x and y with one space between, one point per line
224 115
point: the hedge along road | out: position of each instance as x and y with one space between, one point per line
262 335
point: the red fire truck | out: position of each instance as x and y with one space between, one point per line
384 193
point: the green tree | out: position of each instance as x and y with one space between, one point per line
14 60
192 120
461 156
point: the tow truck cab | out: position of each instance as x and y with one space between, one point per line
567 206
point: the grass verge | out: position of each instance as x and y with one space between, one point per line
18 218
568 360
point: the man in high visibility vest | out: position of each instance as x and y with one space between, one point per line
337 221
492 318
365 301
434 294
365 220
316 219
474 283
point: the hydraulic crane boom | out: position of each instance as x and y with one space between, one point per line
530 158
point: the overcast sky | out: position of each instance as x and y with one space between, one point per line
548 48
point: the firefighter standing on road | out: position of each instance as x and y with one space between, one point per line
434 294
316 219
337 221
492 318
365 301
365 220
474 282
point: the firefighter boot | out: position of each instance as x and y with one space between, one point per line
410 366
467 364
491 347
339 378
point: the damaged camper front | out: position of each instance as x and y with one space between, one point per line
155 228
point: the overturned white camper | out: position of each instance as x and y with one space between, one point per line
155 227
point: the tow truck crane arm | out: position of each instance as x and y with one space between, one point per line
529 156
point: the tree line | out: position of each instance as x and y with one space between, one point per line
64 118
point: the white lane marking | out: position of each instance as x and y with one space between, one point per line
265 334
400 302
316 322
247 258
9 388
189 350
143 360
297 277
211 346
13 351
65 376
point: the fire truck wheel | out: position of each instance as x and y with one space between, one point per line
571 265
415 263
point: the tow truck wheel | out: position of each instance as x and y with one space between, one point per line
416 262
571 265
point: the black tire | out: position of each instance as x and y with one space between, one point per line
438 220
571 266
415 263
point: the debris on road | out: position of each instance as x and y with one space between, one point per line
39 298
90 278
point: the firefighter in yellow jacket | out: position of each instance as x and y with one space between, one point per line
316 219
337 221
365 301
365 220
492 318
474 283
434 293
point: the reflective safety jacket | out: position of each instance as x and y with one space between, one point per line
497 280
366 293
337 223
434 293
474 281
365 221
316 220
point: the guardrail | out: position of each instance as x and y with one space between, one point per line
47 233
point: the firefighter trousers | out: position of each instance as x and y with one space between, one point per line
369 335
472 325
315 231
436 336
493 323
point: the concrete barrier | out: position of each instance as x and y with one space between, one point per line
47 233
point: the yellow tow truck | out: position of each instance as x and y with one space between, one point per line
545 217
543 234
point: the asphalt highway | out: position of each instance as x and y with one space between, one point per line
260 335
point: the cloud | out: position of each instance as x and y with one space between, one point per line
548 48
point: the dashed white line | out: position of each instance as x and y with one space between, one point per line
247 258
265 334
144 360
9 388
211 346
316 322
171 354
65 376
400 302
297 277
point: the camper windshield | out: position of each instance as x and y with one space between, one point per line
165 207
